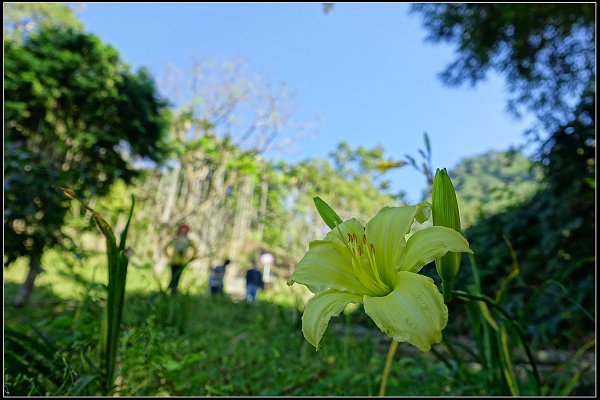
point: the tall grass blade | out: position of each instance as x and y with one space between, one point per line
117 276
511 275
506 362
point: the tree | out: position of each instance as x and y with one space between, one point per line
22 19
552 234
354 164
216 172
210 181
492 182
74 116
545 51
347 184
256 114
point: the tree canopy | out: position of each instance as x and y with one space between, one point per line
22 19
492 182
552 234
546 52
75 116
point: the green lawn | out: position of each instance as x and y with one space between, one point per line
197 345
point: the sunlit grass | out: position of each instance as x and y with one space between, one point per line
195 344
69 280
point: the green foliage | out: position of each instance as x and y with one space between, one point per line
496 335
212 147
21 19
425 167
118 259
545 51
357 164
351 187
36 361
552 236
75 116
195 345
492 182
498 341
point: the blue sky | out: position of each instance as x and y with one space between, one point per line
362 73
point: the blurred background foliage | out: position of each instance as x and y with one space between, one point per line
546 210
545 52
75 115
490 183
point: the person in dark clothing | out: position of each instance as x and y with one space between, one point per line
254 282
180 256
215 280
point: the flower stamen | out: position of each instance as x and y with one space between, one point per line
365 278
372 270
373 263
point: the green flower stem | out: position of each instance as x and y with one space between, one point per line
388 365
469 297
441 358
447 291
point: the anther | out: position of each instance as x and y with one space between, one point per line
364 239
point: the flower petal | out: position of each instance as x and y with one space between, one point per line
414 312
426 245
351 225
319 310
386 231
327 264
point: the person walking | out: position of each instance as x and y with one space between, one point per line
254 282
215 280
179 249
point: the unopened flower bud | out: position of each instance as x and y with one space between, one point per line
444 209
329 216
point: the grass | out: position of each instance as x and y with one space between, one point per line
197 345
